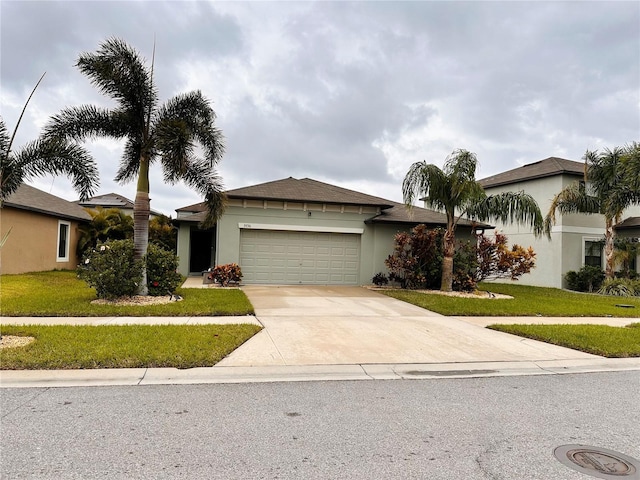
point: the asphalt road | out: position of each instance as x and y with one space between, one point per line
488 428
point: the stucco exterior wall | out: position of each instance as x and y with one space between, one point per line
565 251
228 244
33 242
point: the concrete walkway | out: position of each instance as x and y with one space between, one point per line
343 333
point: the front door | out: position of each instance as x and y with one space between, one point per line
201 249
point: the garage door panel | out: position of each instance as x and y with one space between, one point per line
276 257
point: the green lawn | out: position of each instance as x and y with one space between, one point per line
597 339
62 294
527 301
123 346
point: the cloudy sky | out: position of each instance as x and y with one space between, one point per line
350 93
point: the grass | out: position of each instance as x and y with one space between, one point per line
602 340
62 294
123 346
527 301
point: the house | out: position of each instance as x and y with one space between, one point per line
112 200
576 239
300 231
44 231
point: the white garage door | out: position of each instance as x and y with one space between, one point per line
292 258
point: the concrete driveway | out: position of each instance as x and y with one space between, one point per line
317 325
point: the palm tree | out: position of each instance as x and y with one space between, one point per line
604 190
41 157
170 133
454 189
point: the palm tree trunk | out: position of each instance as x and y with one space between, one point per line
448 246
609 237
141 211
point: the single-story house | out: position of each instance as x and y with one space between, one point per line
300 231
112 200
576 239
44 231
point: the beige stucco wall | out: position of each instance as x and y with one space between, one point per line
33 241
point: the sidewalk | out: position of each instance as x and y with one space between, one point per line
295 373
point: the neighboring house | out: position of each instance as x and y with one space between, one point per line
112 200
293 231
576 239
44 231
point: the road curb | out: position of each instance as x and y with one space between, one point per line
305 373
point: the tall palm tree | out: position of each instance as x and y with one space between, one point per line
40 157
454 190
605 190
172 133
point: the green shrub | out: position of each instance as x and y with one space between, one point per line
162 278
620 287
225 274
110 269
587 279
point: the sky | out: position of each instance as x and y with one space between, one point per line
348 93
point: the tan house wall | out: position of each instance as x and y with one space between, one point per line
33 242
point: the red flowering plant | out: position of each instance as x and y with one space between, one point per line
226 274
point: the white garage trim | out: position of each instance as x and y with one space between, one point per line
288 257
299 228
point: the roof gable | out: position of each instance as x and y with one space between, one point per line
306 190
32 199
108 200
300 190
544 168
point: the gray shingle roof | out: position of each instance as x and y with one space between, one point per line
32 199
417 215
303 190
108 200
628 223
544 168
309 190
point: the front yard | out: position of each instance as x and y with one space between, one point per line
62 294
527 302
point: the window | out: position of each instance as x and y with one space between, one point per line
593 253
64 229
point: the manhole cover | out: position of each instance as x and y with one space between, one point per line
598 462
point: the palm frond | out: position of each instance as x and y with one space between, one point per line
130 161
119 72
427 181
571 199
185 119
630 166
200 176
509 207
85 121
57 157
4 140
603 171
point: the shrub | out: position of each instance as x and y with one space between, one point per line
110 269
162 278
620 287
225 274
497 260
587 279
380 279
416 261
